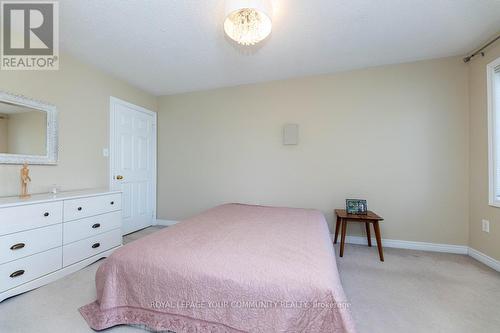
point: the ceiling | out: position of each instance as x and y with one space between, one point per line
174 46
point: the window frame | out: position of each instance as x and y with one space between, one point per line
493 113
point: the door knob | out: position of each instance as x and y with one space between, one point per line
119 177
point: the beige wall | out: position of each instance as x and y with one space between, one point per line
27 133
395 135
81 94
488 243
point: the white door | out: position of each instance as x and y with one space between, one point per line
133 162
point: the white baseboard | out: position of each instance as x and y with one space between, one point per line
481 257
165 222
433 247
401 244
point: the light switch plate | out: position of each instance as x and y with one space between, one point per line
291 134
105 152
486 226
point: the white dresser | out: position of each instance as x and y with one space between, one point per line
48 236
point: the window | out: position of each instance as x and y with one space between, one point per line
493 74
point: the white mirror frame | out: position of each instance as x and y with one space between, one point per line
52 131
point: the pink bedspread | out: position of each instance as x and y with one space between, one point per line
233 268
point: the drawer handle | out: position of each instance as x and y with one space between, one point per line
46 214
17 273
96 245
112 202
95 226
17 246
79 208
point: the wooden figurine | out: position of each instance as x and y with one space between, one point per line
25 179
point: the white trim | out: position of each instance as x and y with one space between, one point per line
432 247
401 244
165 222
111 144
112 102
490 76
481 257
46 279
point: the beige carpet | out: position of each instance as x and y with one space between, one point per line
415 291
412 291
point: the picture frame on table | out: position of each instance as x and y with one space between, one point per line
356 206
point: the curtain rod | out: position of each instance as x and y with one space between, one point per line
468 58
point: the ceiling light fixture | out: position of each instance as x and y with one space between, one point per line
248 21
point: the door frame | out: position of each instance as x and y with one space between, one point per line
112 117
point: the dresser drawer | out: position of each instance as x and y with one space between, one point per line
85 207
26 243
20 218
91 226
17 272
89 247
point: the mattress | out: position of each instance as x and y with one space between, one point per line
233 268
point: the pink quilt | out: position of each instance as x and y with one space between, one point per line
233 268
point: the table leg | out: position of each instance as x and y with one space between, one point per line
342 239
379 240
337 227
368 234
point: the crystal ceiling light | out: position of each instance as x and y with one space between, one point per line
248 21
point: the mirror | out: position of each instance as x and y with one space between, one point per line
28 131
22 130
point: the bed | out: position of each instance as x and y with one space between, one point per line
233 268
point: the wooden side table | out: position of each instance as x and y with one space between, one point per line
371 217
